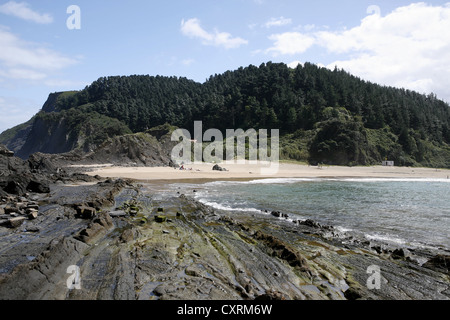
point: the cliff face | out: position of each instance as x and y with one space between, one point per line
49 137
55 130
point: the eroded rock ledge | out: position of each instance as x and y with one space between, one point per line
130 246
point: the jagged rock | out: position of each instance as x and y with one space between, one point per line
439 262
41 163
32 206
128 235
218 168
5 151
271 295
284 251
160 219
401 253
42 186
16 222
311 223
99 227
15 187
33 214
118 213
85 212
10 210
104 220
276 214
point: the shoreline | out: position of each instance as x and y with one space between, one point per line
229 256
249 171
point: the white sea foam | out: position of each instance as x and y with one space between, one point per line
365 213
262 181
386 238
221 206
392 180
296 180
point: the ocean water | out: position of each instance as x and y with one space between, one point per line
406 212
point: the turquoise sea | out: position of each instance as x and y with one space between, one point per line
405 212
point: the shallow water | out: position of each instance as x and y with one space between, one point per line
410 212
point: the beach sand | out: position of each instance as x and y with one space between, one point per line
259 171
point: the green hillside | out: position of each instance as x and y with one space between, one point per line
324 116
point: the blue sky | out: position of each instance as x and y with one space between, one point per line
398 43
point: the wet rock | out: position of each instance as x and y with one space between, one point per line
272 295
311 223
42 186
85 212
97 228
118 213
160 219
284 251
439 262
400 253
276 214
128 235
104 220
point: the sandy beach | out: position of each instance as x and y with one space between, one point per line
258 171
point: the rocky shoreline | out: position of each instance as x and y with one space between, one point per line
131 245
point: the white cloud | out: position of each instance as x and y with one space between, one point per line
278 22
20 59
409 47
23 11
22 74
290 43
192 28
15 111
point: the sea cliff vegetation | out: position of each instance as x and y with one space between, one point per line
324 116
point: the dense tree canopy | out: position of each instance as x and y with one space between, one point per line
337 117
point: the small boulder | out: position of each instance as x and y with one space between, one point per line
118 213
33 214
11 210
218 168
16 222
85 212
400 253
276 214
160 219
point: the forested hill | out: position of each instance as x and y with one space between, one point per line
324 116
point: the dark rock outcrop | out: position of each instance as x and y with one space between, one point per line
218 168
439 262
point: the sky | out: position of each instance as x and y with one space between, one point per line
57 45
